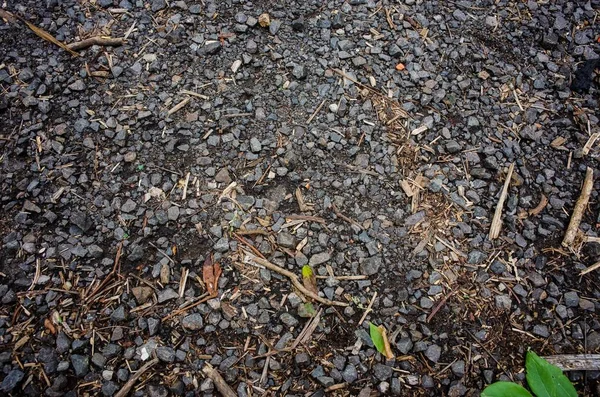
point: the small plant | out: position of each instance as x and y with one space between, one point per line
543 378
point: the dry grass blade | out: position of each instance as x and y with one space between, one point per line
47 36
540 207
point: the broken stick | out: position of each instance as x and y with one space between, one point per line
293 278
127 387
575 362
579 209
218 380
98 40
496 221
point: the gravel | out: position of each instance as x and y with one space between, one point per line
208 133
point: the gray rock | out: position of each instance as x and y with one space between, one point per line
158 5
288 319
433 353
404 345
11 380
81 365
299 72
382 371
571 299
370 266
320 258
166 295
193 322
503 302
255 145
350 374
166 354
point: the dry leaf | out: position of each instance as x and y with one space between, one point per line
210 275
264 20
49 326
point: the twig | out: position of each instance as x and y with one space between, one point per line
185 186
344 217
368 309
312 116
116 268
163 253
192 93
496 221
308 330
98 40
293 278
580 207
439 306
232 115
218 380
179 106
127 387
202 298
590 269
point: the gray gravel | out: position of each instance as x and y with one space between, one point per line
392 172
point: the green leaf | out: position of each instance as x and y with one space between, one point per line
307 271
505 389
545 379
377 338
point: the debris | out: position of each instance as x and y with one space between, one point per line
218 380
579 209
575 362
496 221
211 272
98 40
127 387
249 258
264 20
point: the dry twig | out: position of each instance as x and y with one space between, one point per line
127 387
98 40
293 278
218 380
579 209
496 221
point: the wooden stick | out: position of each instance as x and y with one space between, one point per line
127 386
368 309
496 221
178 106
575 362
218 380
590 269
312 116
98 40
579 209
293 278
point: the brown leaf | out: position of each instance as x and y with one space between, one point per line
49 326
210 275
